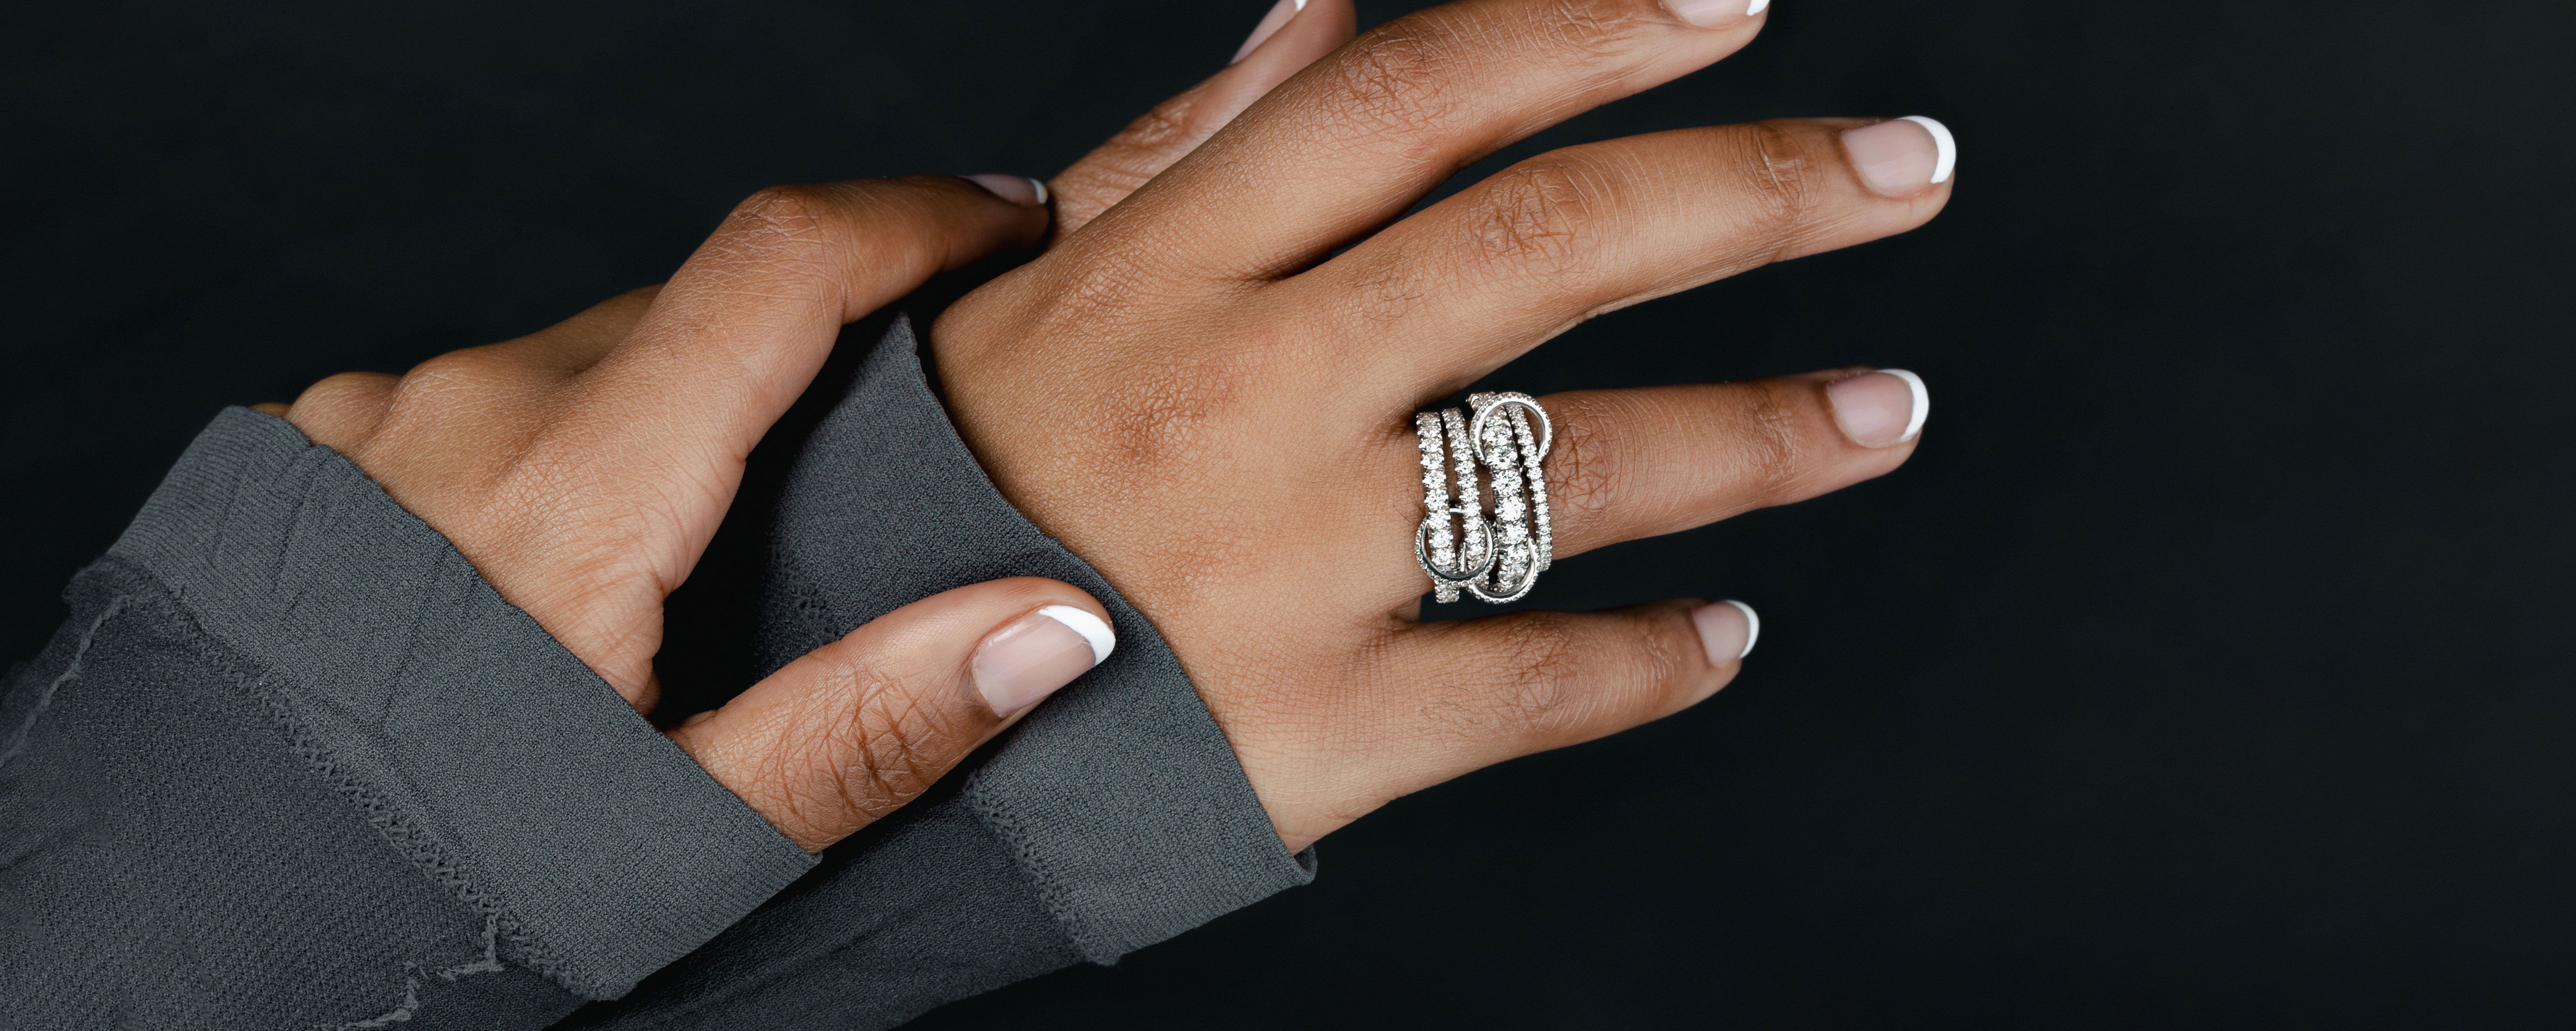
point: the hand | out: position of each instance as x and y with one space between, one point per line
584 468
1224 393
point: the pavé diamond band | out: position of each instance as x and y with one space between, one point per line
1495 557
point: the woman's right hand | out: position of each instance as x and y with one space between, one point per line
1198 395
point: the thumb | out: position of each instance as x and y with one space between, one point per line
856 728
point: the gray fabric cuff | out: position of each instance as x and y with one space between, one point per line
1120 797
501 765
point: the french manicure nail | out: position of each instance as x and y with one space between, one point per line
1018 189
1898 158
1727 629
1714 12
1031 657
1279 14
1880 409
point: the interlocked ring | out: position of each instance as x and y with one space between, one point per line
1451 561
1496 558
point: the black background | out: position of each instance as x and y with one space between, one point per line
2198 670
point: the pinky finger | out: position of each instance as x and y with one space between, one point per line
1533 681
1472 693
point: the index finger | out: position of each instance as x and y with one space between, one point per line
739 332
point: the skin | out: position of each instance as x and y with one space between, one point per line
1222 384
1188 370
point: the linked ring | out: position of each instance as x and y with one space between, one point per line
1495 557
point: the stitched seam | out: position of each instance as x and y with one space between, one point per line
45 698
1015 839
427 854
410 1005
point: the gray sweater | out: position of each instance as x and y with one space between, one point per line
292 763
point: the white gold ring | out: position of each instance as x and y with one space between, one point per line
1497 558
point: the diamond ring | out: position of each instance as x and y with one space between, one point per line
1495 557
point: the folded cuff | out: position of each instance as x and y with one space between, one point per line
1120 797
499 763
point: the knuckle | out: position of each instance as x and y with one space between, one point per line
1538 687
1398 78
1775 454
1665 655
884 754
341 389
783 225
1138 153
1542 220
1581 473
342 411
1170 126
471 371
1778 170
1593 31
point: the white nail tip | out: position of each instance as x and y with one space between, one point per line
1094 632
1922 402
1043 194
1949 148
1757 8
1752 626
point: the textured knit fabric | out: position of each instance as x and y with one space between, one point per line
292 763
185 858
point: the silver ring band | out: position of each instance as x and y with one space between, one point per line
1467 554
1496 558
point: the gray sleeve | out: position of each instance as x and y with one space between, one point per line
1113 817
292 763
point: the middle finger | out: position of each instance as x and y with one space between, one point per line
1354 140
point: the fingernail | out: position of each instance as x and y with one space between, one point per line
1018 189
1279 14
1900 157
1032 656
1882 409
1727 629
1715 12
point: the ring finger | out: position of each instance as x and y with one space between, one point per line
1644 462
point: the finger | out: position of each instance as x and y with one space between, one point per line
742 328
1628 464
1467 694
1483 276
342 411
1286 40
575 344
1354 140
853 730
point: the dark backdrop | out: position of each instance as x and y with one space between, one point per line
2198 670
